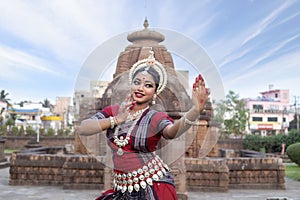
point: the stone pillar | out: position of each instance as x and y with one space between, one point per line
2 155
3 161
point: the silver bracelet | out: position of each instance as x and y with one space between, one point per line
112 122
187 121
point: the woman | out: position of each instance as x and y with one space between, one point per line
134 129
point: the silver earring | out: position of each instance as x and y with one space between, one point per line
154 98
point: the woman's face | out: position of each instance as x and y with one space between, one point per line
143 88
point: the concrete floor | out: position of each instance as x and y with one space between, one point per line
292 192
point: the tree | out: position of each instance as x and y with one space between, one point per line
3 97
46 103
293 123
23 102
233 114
10 123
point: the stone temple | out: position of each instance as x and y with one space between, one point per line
174 100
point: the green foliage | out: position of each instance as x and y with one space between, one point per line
3 96
293 137
21 131
42 131
14 130
50 132
3 130
63 132
292 171
46 103
253 142
30 131
277 141
293 151
271 143
60 132
67 132
10 122
236 114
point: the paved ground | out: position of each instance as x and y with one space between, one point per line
57 193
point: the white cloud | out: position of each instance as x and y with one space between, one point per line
12 60
68 30
232 47
285 20
269 53
263 24
283 72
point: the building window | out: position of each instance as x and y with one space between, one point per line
274 107
257 119
276 95
272 119
257 108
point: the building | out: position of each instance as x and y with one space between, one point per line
53 122
270 113
98 88
63 109
29 114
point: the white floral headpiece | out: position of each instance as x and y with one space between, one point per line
157 66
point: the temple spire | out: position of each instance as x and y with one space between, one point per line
146 24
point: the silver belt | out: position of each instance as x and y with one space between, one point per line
153 170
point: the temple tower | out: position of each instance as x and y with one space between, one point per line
174 100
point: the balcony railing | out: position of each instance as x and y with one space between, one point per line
270 111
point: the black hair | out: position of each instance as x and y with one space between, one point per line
150 71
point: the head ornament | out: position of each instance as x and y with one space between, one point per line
148 63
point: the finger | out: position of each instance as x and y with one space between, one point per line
199 81
207 90
199 78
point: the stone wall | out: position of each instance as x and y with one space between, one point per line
69 171
256 173
83 172
29 169
234 173
236 144
207 175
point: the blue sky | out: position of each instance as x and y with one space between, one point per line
43 44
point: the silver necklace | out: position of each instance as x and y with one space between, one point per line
121 142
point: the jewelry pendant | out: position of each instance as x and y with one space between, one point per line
120 152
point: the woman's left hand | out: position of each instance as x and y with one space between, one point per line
200 94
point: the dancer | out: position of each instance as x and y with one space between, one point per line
133 130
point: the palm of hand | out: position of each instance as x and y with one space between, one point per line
200 94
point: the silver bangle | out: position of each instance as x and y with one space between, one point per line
187 121
112 122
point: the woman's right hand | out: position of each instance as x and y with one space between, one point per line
125 108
